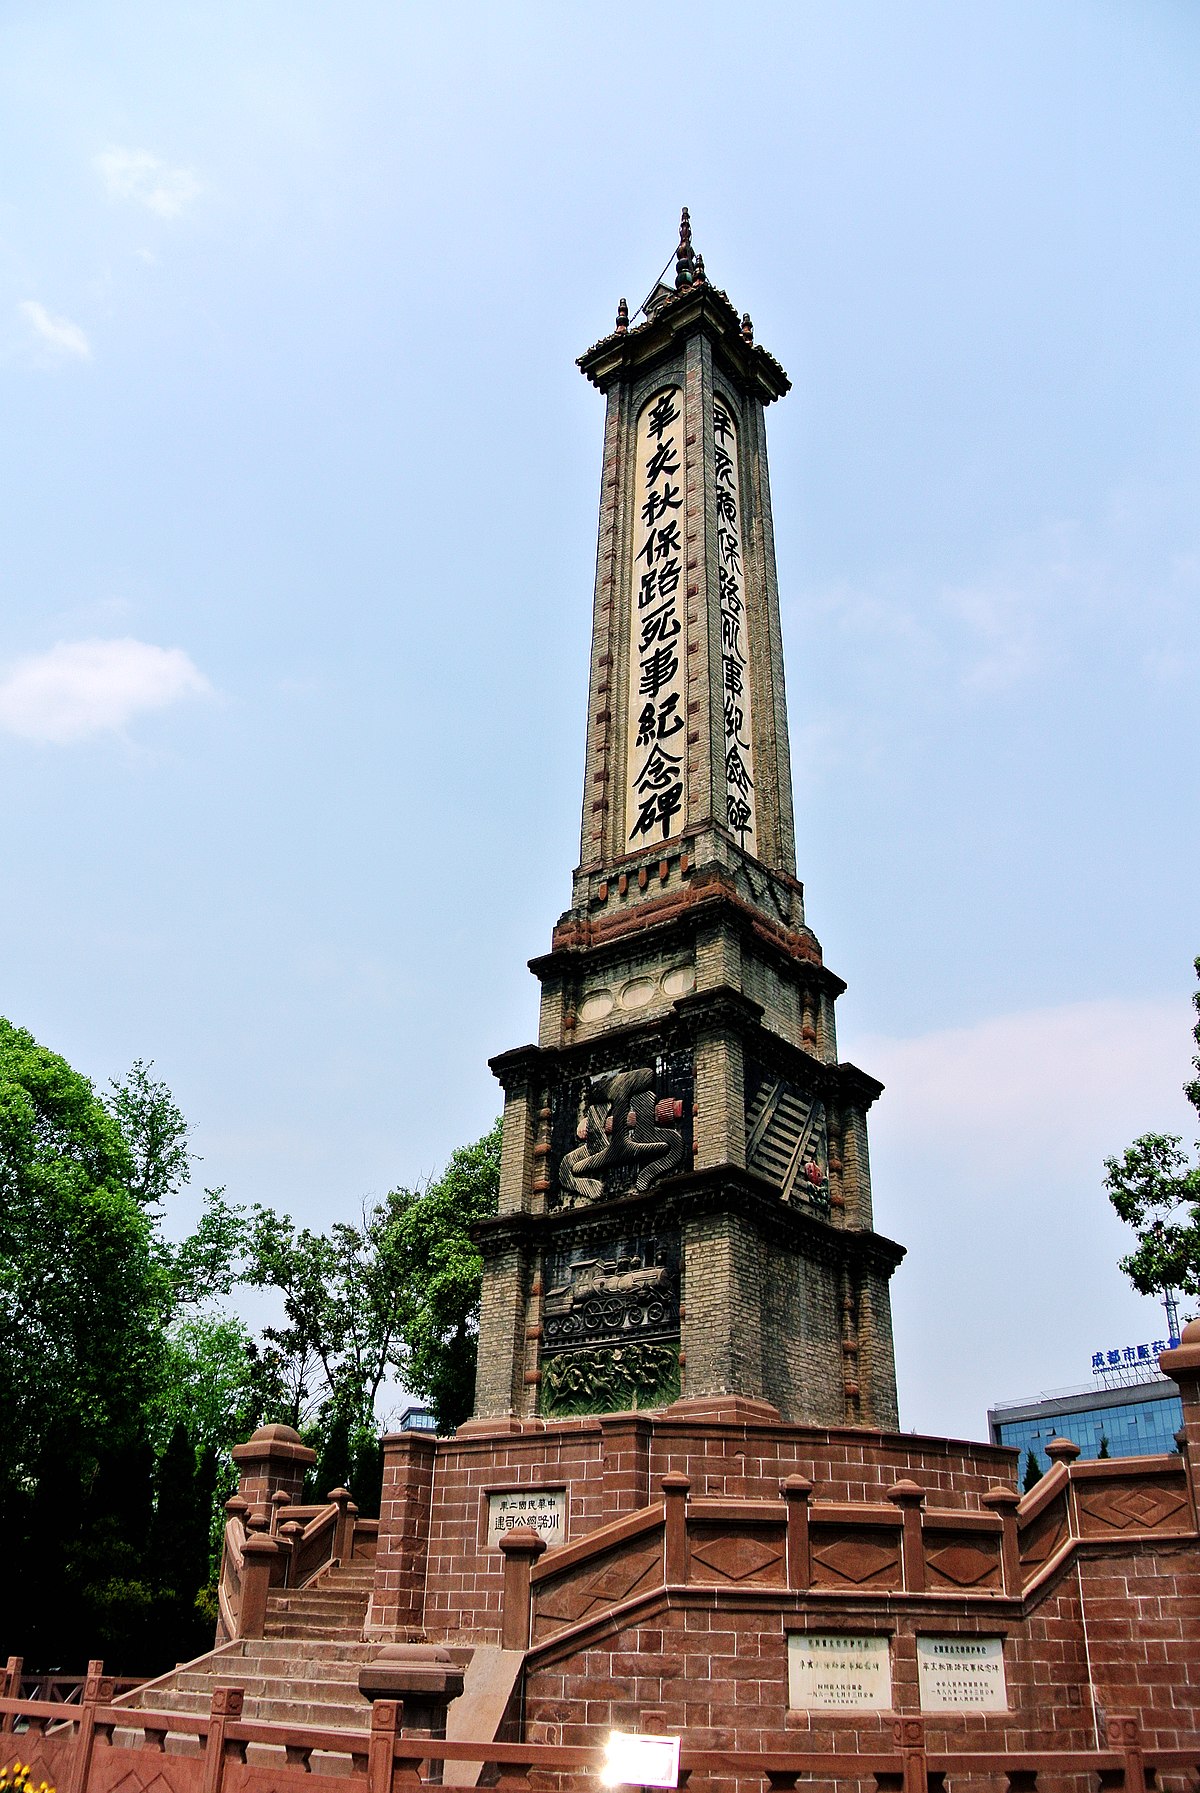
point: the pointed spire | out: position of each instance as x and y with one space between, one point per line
700 275
685 261
747 329
622 318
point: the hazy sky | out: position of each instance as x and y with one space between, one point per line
299 488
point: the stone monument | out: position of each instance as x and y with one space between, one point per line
685 1202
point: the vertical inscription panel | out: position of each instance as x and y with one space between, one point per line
733 699
656 709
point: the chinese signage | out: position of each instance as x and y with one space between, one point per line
735 672
827 1672
1130 1356
545 1509
657 658
961 1674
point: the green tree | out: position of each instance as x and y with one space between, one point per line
104 1355
444 1272
84 1294
154 1131
396 1295
1155 1188
1033 1474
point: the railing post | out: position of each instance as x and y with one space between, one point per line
1122 1732
226 1704
411 1686
1005 1502
521 1548
343 1530
909 1734
676 1489
98 1690
259 1554
910 1499
280 1499
381 1752
13 1670
797 1492
289 1541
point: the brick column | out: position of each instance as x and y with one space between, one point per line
273 1460
397 1605
1183 1366
625 1465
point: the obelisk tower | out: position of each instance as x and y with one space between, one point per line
685 1205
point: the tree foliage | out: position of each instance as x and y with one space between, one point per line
123 1387
1155 1187
393 1297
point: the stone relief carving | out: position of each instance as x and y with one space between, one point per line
610 1380
625 1128
612 1292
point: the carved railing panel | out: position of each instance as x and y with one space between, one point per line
738 1551
1141 1496
598 1583
847 1554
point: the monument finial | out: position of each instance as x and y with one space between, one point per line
685 260
622 318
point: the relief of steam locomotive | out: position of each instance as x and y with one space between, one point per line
606 1295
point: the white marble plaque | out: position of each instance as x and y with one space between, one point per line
545 1509
829 1671
961 1674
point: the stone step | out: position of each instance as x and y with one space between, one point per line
343 1613
308 1709
311 1682
350 1651
314 1634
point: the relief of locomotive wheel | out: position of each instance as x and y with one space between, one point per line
655 1314
613 1313
592 1315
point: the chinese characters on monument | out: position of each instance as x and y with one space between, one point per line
830 1672
735 677
961 1674
545 1509
657 663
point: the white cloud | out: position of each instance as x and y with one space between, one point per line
81 688
137 175
59 335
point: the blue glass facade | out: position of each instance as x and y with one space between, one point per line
1133 1426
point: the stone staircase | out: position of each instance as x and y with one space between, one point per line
303 1672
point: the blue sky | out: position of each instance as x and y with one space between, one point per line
299 486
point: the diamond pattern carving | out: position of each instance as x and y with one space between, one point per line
737 1558
1044 1537
857 1561
1143 1507
963 1564
576 1596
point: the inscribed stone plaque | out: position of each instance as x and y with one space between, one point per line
828 1671
961 1674
545 1509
